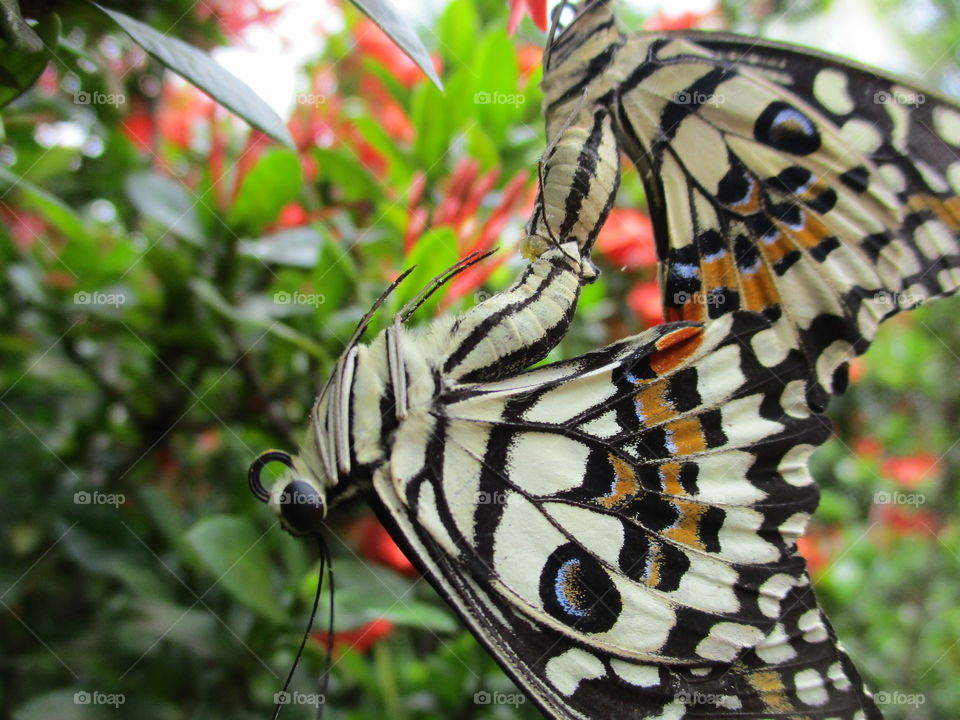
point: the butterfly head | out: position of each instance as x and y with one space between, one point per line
298 497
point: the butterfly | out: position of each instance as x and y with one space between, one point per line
619 529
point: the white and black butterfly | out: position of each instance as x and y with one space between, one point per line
640 558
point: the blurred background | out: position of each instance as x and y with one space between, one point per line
174 288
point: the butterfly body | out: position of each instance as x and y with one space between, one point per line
619 529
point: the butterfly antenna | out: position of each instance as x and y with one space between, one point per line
325 678
365 320
551 34
281 696
440 280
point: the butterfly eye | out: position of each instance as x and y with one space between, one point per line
302 508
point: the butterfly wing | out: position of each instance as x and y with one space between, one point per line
819 192
619 529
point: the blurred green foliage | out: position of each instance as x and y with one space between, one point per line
174 290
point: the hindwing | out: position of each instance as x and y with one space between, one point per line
623 525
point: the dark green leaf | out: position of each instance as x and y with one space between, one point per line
15 31
23 59
386 17
200 69
234 552
52 208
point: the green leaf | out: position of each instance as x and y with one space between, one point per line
24 54
15 30
344 172
60 704
458 29
433 128
272 183
497 95
209 295
234 552
385 16
52 208
296 247
200 69
167 201
434 252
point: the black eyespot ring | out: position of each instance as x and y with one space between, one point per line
253 474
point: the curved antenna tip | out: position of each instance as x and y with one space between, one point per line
253 474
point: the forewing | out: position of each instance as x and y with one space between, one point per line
820 193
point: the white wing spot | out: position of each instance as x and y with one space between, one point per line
810 687
862 135
893 176
947 123
812 626
726 640
566 671
640 675
830 89
775 648
838 677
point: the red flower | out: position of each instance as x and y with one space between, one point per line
375 543
644 300
858 368
529 58
817 546
866 447
537 9
359 639
912 470
182 109
627 239
236 16
138 126
903 520
683 21
377 44
25 227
